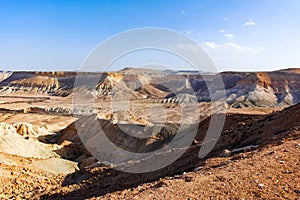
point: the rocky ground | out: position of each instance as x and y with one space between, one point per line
272 172
269 170
43 157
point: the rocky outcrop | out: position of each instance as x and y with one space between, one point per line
266 89
16 139
243 89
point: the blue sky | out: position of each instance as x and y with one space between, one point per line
237 34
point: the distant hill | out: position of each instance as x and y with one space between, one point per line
243 89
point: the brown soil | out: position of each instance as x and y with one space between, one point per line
269 172
272 172
20 179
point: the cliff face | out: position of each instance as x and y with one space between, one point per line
279 88
243 89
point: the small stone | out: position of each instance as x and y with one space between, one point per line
195 142
225 153
260 185
198 169
176 177
281 141
272 152
281 161
188 178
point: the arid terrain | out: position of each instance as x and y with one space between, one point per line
47 118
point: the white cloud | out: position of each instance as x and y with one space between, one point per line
232 55
225 19
188 32
250 22
226 48
229 36
182 12
230 47
211 45
222 30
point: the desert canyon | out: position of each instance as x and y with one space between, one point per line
42 155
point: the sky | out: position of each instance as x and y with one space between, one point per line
238 35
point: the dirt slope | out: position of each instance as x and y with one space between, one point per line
255 175
270 173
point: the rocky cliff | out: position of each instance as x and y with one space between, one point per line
243 89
